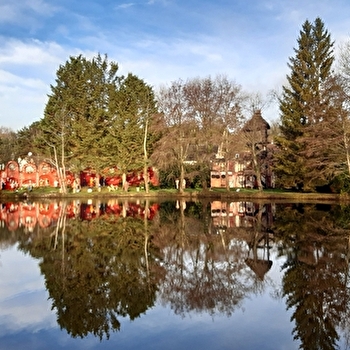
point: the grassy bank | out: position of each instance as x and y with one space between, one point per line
215 193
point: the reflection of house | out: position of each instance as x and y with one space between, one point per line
239 171
259 251
28 215
259 266
255 222
241 214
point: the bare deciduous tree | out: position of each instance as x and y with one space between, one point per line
198 115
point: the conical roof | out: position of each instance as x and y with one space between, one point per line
260 267
256 123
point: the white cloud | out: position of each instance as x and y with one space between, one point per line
23 12
250 44
23 297
31 53
26 71
41 7
125 5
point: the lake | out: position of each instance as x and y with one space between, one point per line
143 274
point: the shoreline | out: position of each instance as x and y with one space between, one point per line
214 194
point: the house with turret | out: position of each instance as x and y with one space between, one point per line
250 165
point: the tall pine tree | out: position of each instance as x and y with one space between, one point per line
303 104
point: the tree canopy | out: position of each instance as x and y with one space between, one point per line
195 115
304 102
95 118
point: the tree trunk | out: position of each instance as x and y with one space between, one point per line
227 182
125 183
258 175
182 184
145 158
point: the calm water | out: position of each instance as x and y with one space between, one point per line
174 275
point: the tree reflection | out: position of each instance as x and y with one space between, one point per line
106 261
316 271
100 272
100 264
206 270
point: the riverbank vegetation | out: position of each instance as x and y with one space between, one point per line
244 194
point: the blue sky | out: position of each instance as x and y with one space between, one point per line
158 40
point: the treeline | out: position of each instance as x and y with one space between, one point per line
96 118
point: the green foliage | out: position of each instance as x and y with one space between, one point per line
167 177
77 109
101 277
95 118
132 109
315 239
301 104
341 183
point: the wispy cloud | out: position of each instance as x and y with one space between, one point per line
21 306
125 5
27 68
158 40
29 53
17 12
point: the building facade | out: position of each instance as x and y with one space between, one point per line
240 171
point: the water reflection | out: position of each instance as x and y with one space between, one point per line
28 215
316 242
103 261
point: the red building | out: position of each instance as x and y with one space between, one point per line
25 173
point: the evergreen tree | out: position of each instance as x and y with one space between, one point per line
129 142
303 103
76 115
100 81
97 119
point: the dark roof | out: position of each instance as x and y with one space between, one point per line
260 267
256 123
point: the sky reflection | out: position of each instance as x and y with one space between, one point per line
24 301
26 319
176 282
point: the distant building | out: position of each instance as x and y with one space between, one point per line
238 170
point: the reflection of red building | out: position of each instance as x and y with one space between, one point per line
10 212
48 213
28 215
89 211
